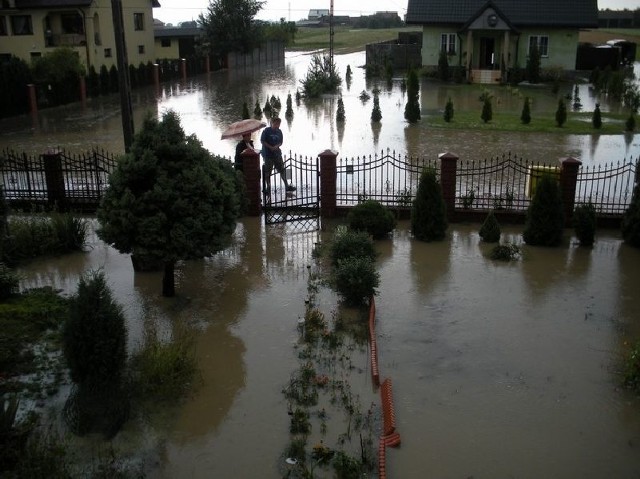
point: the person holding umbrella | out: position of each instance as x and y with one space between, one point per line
242 145
271 140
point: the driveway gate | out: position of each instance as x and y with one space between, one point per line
301 208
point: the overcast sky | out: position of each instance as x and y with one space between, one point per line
175 11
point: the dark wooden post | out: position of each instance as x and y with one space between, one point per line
156 78
83 91
328 182
568 181
251 168
448 172
33 100
54 179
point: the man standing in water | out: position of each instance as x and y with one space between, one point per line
271 140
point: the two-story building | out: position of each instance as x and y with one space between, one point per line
31 28
489 37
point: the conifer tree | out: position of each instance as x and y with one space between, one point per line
448 111
428 211
596 120
561 113
525 117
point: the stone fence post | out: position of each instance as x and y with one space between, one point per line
54 179
251 169
448 172
328 182
569 168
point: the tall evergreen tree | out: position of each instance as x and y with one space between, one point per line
428 211
545 216
525 117
412 108
561 113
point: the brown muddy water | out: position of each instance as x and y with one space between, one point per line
208 103
500 370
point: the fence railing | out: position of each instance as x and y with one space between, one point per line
389 178
506 182
56 178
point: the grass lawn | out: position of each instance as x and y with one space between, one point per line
345 39
576 124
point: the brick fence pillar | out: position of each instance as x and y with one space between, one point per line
251 168
568 181
448 172
328 181
54 179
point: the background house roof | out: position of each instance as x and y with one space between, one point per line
62 3
575 13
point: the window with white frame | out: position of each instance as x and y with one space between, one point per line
448 43
542 42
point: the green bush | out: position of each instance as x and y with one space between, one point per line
448 111
545 217
165 369
505 252
561 113
37 235
94 334
356 279
632 369
630 123
631 218
373 217
428 212
347 243
490 229
584 223
9 282
596 120
487 110
412 108
525 117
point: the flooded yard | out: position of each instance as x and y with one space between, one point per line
499 369
207 104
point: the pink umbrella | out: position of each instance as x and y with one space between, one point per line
242 127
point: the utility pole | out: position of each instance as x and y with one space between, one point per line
123 74
331 36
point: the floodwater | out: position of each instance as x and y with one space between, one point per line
208 103
499 369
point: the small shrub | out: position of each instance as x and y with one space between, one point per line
94 334
428 212
448 111
561 113
584 223
9 282
165 369
347 243
468 198
505 252
596 120
373 217
347 467
525 117
630 124
376 114
300 423
412 107
443 66
257 111
545 217
356 279
487 111
490 229
632 369
245 111
340 111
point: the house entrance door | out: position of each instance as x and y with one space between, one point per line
487 53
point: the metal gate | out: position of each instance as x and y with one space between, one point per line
300 208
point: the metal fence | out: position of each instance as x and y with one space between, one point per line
389 178
507 182
77 180
608 187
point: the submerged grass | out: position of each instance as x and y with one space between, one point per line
578 123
